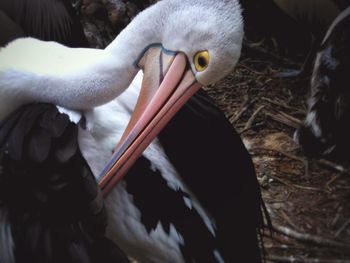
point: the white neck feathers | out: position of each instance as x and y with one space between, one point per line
77 78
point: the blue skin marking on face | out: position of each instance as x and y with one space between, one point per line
165 50
133 135
117 155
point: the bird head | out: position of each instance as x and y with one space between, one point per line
209 33
189 44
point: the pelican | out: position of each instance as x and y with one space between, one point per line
179 45
324 132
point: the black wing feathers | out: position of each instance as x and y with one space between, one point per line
9 29
160 204
51 197
53 20
213 162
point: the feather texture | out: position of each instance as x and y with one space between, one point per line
53 20
48 192
177 216
235 202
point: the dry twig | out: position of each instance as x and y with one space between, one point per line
334 166
287 218
250 69
332 180
291 118
282 119
337 216
256 125
245 106
277 258
252 118
281 104
308 188
323 162
342 228
309 238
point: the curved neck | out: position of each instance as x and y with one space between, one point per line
75 78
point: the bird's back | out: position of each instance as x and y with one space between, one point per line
52 20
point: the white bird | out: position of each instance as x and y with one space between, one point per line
180 45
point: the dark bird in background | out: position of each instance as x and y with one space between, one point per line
296 25
192 196
315 16
326 129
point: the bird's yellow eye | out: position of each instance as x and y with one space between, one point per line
201 60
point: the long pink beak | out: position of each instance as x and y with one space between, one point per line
168 83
